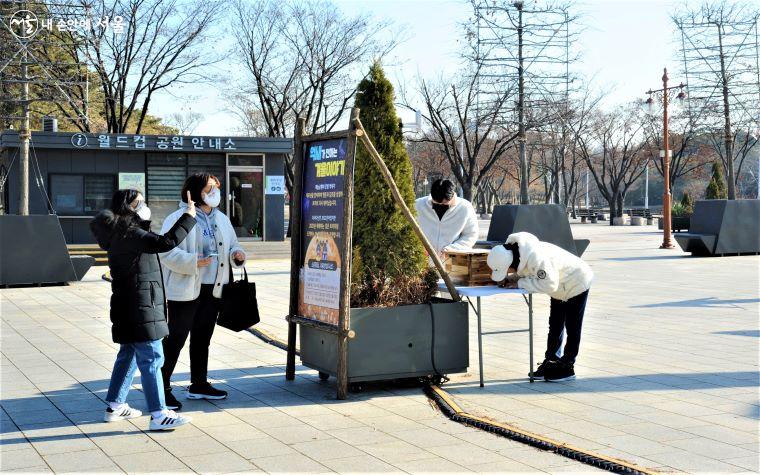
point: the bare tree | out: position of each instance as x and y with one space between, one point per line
185 122
689 152
303 59
612 149
719 45
428 163
471 136
743 145
157 44
251 121
40 65
525 46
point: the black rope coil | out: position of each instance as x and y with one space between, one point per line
568 452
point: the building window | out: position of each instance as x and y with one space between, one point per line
98 190
166 173
76 195
245 160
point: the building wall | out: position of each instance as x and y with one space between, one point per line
61 162
80 175
274 220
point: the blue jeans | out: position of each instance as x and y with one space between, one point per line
149 357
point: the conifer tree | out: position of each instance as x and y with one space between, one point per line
385 247
716 189
687 203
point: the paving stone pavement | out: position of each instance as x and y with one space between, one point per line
668 378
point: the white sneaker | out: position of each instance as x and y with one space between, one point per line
125 412
169 420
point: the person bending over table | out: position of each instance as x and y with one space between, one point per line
525 262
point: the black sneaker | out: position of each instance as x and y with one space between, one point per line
541 370
205 391
171 401
561 371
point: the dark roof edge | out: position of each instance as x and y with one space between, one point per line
10 139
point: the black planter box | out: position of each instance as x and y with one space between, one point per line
33 251
394 343
677 223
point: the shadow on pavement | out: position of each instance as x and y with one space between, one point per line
753 333
612 384
83 405
703 302
645 258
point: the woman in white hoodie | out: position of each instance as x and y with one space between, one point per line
525 262
449 222
194 274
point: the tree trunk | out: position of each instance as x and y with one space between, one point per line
467 190
727 135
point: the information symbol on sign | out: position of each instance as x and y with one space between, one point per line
79 140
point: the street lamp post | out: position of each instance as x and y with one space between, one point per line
667 242
646 186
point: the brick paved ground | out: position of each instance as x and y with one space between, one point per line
667 378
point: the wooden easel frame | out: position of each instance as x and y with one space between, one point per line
355 132
296 259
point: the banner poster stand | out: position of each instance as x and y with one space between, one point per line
321 230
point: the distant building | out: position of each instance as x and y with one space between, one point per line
80 171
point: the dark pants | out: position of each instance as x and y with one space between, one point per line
566 316
197 318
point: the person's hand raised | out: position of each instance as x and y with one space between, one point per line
190 205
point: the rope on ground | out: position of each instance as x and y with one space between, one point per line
448 407
456 414
271 339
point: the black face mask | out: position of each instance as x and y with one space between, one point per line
440 210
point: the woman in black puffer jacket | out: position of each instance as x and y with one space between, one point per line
138 310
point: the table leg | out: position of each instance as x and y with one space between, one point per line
480 344
530 333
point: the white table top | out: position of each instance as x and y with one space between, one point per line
481 290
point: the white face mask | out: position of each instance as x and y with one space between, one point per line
143 211
213 197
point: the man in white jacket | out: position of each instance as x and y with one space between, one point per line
449 222
525 262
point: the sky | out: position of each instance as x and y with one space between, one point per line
624 47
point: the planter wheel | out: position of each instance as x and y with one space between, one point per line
323 376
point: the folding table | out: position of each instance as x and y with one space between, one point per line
486 291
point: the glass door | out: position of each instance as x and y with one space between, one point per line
246 202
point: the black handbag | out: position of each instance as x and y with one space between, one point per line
239 308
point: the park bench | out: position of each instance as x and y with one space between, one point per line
720 227
642 213
587 214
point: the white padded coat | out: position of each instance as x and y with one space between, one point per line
458 230
182 279
549 269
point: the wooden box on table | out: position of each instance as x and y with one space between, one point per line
468 267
